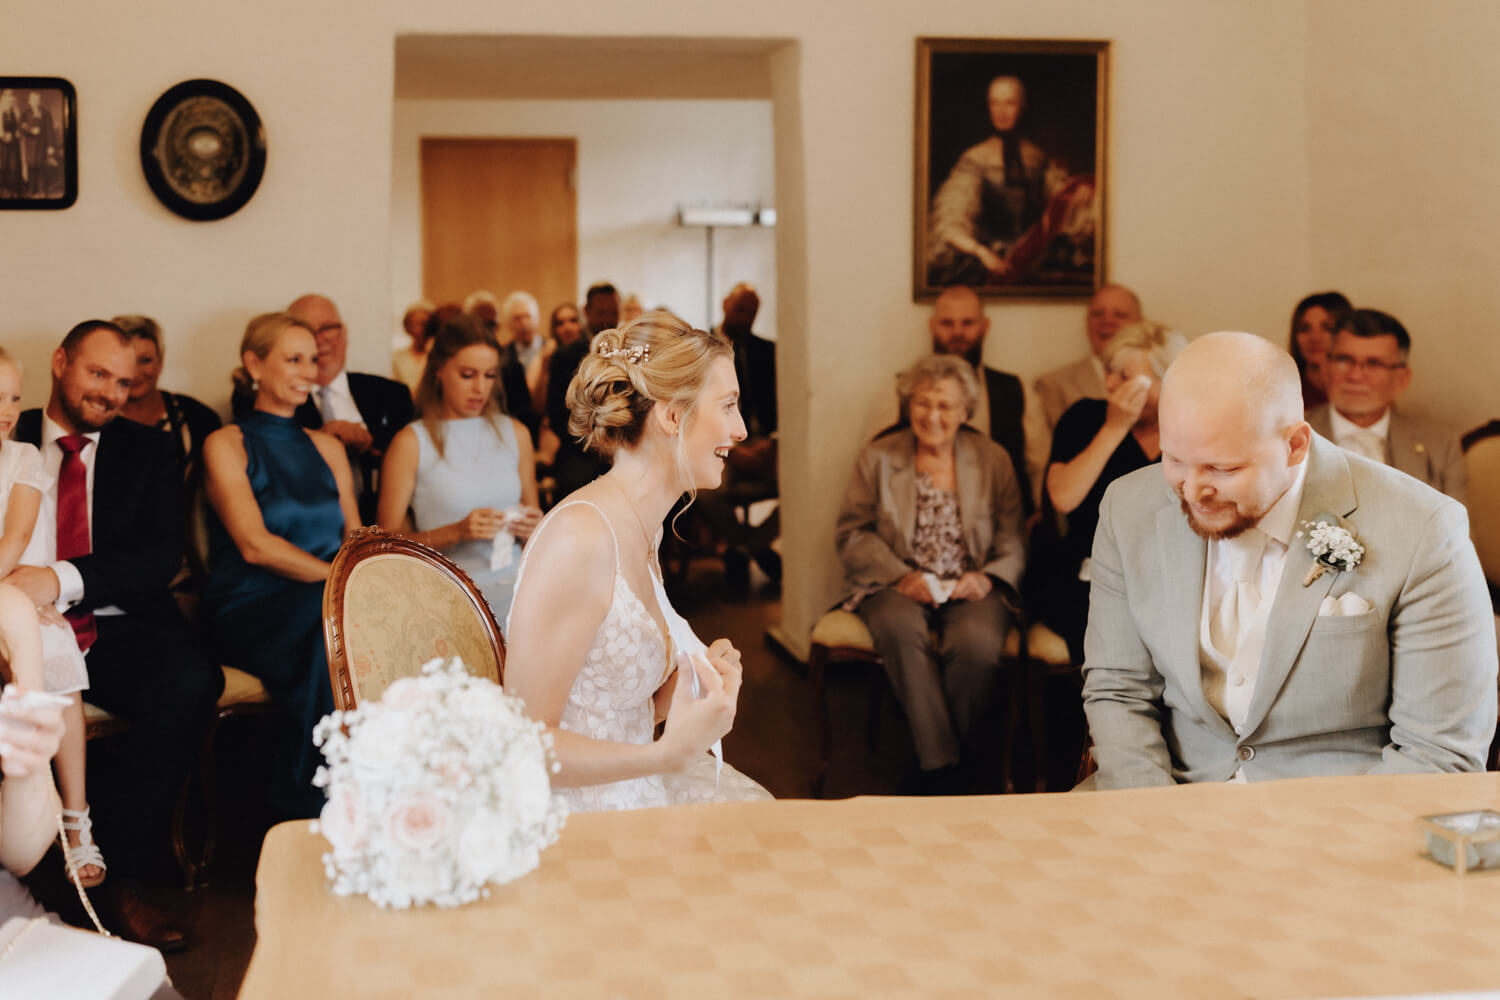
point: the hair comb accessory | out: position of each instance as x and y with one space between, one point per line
635 354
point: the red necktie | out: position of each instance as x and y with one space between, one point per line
73 524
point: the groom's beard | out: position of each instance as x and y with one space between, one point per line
1241 523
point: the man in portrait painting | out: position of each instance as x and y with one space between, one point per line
38 146
1007 210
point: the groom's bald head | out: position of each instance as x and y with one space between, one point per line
1232 433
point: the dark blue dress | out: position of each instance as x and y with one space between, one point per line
271 626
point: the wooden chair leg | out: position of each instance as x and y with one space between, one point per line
817 667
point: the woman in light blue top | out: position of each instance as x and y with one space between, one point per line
462 478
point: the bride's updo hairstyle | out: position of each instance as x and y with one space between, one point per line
655 358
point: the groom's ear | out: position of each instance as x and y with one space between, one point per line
1299 442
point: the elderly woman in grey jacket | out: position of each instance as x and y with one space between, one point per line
931 539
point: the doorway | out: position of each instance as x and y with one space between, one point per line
499 215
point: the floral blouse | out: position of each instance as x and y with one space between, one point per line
937 542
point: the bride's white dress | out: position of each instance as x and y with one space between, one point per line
611 700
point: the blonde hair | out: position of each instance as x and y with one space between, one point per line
656 358
261 334
1153 340
142 328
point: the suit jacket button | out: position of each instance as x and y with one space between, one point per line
1247 753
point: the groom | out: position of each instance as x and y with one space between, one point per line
1214 654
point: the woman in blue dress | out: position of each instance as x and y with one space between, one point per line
464 471
284 500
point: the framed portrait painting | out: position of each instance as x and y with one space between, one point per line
38 142
1010 166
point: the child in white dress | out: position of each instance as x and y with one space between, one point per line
26 522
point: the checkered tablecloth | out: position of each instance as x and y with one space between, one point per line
1309 888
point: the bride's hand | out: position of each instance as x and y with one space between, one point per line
694 724
726 660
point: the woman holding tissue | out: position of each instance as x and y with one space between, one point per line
465 471
1096 442
596 649
283 498
931 540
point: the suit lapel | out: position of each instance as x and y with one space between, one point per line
1184 558
968 480
108 470
1406 452
1329 489
903 491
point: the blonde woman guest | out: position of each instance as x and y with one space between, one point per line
187 420
596 650
284 500
464 470
931 540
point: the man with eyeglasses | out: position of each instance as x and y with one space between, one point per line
1368 372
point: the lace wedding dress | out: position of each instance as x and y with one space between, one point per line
611 700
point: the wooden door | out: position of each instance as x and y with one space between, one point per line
499 214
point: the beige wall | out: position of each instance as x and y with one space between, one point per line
1404 166
1222 209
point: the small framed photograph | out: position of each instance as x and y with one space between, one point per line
38 142
1010 166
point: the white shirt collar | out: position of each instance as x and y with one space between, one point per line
1280 522
1343 427
51 431
340 384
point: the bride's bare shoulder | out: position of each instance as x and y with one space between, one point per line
575 535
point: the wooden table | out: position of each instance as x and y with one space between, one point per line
1310 888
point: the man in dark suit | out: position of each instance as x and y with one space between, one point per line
361 410
1007 411
124 482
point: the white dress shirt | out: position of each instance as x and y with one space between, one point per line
44 542
1367 441
1248 568
336 402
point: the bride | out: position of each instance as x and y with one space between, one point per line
596 650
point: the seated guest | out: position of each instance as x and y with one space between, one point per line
115 497
407 362
520 315
572 466
485 309
187 420
564 326
931 539
1315 320
29 737
589 632
1218 649
363 411
631 308
284 499
1112 307
1096 442
1368 372
1007 410
464 469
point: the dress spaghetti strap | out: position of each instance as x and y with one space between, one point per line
529 548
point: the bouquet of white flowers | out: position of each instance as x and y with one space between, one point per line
435 791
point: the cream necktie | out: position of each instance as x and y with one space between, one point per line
1238 603
325 402
1366 443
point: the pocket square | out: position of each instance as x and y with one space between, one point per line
1344 606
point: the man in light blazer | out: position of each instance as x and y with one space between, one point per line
1216 651
1111 308
1368 372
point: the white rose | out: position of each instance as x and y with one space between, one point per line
419 822
340 820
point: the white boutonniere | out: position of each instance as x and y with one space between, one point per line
1332 545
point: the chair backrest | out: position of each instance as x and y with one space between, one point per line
390 605
1482 458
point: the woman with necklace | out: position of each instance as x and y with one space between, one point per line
930 537
284 500
596 650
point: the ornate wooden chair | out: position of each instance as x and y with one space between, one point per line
392 604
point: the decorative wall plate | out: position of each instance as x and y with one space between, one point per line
203 149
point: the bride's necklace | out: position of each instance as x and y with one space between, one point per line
650 549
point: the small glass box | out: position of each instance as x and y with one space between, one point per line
1464 840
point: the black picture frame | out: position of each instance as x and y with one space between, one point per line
1028 196
203 150
38 143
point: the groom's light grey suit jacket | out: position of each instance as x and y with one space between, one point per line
1406 687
